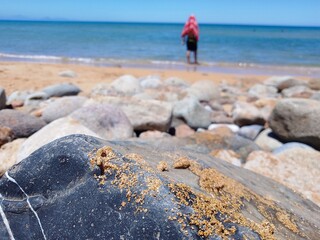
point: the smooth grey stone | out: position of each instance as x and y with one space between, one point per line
106 120
314 84
62 107
21 124
151 82
251 131
267 140
291 145
259 91
126 85
62 89
34 99
316 96
20 96
68 74
195 115
297 120
143 114
297 91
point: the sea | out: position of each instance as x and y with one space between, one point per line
221 47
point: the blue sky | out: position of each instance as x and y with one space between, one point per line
271 12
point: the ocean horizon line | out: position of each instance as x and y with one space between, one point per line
155 23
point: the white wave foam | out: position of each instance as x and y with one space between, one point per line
159 62
43 57
63 59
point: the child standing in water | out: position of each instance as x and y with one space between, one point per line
191 32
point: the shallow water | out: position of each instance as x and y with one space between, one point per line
122 44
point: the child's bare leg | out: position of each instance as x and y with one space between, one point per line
195 57
188 57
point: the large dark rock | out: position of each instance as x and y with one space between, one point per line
297 120
21 124
71 199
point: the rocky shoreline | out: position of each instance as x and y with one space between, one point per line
270 128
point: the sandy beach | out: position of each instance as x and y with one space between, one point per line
18 76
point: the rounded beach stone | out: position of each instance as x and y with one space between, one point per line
297 92
192 112
234 128
59 128
267 140
251 131
8 154
153 134
18 96
146 96
290 145
183 130
176 82
34 99
228 156
290 83
143 114
297 168
68 74
62 107
247 114
102 89
265 106
21 124
297 120
221 117
106 120
316 96
151 82
259 90
314 83
6 135
126 85
282 82
204 90
60 90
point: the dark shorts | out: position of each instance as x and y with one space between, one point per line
192 44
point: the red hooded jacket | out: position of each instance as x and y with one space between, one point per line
191 28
